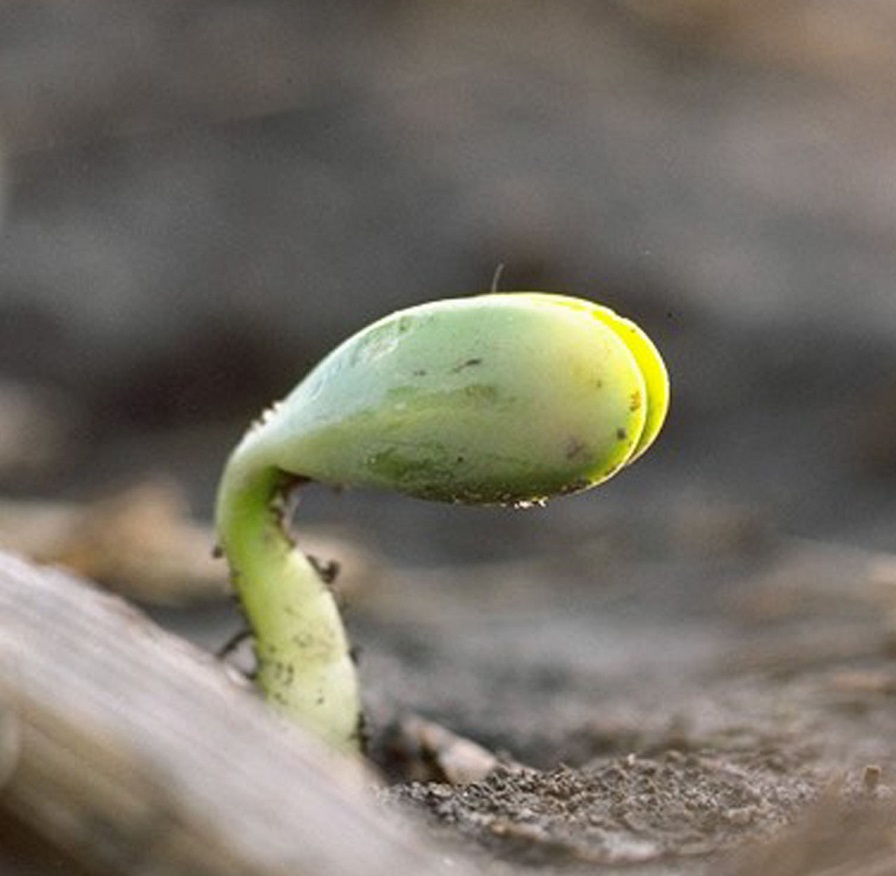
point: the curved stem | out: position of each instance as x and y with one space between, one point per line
304 663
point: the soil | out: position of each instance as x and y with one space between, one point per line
730 707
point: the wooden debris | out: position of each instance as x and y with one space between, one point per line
429 751
129 749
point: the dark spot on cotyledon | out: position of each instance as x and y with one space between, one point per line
575 486
574 447
621 434
469 363
420 372
635 401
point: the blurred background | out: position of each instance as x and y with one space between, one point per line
200 199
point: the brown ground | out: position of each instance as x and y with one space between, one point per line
736 701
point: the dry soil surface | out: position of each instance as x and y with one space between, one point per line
706 699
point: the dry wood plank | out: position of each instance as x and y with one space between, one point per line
133 750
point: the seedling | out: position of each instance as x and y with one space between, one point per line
506 399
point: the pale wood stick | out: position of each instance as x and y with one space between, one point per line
133 750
